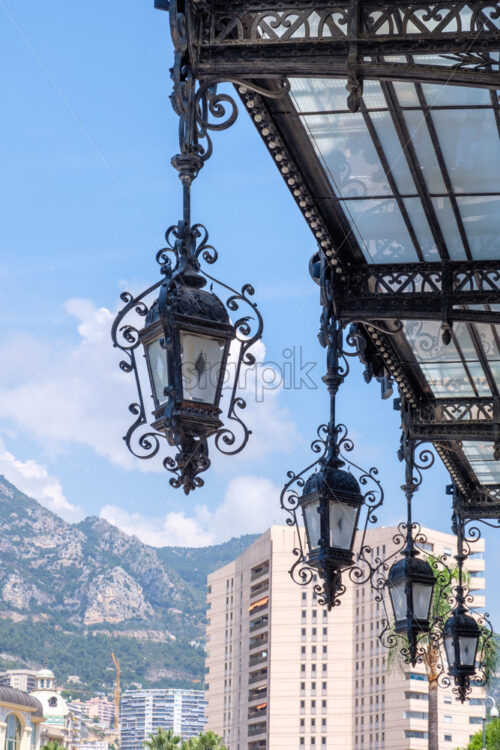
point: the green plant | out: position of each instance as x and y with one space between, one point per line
492 737
52 745
163 739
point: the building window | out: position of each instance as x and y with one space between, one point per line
304 596
475 720
447 738
12 733
447 699
447 719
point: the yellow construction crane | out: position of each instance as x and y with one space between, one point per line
117 693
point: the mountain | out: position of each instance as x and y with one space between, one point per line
73 593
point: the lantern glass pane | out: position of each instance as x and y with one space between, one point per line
201 365
398 598
312 520
422 594
342 519
450 650
468 646
157 358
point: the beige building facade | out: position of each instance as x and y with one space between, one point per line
283 673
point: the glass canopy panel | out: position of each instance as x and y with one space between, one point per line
448 223
406 93
446 95
471 148
421 139
394 154
448 371
381 231
481 219
330 95
421 228
448 379
344 144
480 457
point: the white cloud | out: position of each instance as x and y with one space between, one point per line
250 505
63 395
34 480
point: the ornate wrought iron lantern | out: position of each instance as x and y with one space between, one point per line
186 341
330 505
466 639
411 585
461 640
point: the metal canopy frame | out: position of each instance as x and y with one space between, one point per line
450 42
320 38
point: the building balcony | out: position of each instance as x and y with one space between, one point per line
257 694
256 729
259 588
258 676
259 658
257 712
260 605
259 570
260 622
258 640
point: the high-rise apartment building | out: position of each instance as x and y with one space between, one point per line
22 679
143 712
285 673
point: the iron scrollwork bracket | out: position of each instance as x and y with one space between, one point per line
201 108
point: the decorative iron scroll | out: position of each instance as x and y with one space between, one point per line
467 282
327 22
452 410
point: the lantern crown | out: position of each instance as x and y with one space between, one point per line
461 624
199 305
332 480
410 567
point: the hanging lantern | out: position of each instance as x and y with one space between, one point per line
186 341
461 635
330 505
411 584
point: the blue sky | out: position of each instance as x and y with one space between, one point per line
87 191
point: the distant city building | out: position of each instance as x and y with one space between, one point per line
22 679
97 745
143 712
101 709
59 722
21 716
283 673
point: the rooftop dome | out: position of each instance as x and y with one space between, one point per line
47 673
20 698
